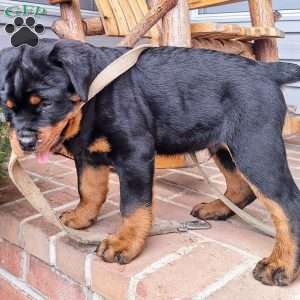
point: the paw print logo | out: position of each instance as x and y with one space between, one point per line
24 33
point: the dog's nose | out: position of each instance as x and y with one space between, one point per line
28 141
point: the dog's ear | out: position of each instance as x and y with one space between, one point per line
73 58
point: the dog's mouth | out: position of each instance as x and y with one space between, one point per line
42 156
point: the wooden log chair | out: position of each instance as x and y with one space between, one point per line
167 22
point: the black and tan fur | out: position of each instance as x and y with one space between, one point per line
173 101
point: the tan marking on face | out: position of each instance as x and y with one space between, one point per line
100 145
49 136
93 189
35 100
10 104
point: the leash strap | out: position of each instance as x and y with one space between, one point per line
33 194
268 230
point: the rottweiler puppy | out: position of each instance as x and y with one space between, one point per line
174 100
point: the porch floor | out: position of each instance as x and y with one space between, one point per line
37 261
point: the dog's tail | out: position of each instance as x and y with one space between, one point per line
284 73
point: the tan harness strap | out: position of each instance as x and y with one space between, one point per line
33 194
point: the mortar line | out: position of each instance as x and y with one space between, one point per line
221 282
162 262
21 285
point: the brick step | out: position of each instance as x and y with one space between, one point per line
38 262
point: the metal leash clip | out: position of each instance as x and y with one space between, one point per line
193 225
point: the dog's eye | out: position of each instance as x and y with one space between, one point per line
45 104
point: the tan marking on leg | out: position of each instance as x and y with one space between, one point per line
129 242
10 103
100 145
280 267
35 100
238 191
93 188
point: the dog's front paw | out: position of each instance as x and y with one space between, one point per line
78 218
271 273
120 249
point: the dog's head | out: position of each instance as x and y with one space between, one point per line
42 89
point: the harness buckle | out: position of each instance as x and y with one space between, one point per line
193 225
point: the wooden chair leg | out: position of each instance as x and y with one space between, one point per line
261 12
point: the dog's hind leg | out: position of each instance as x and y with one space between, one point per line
93 188
238 190
261 159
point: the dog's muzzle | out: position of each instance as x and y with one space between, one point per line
27 140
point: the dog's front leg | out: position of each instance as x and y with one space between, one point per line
93 188
136 181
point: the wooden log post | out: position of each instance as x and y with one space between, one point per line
176 32
176 29
261 13
70 26
266 50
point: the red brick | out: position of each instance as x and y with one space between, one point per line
112 280
247 239
189 274
4 182
166 189
52 283
9 292
247 285
58 158
191 199
189 182
62 196
162 172
10 218
9 193
45 185
69 179
167 211
10 258
70 258
48 170
36 235
70 255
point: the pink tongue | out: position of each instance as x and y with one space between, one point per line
42 158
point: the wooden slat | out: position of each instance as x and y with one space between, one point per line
138 13
193 4
233 31
119 16
291 125
108 17
170 161
128 13
145 9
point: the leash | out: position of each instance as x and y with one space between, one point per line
268 230
33 194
